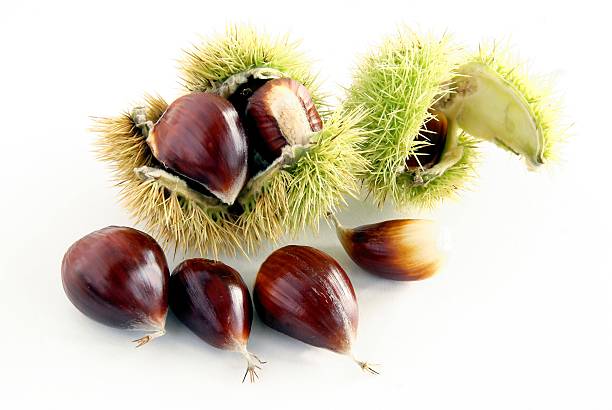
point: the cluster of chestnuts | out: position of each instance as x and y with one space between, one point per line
119 276
217 144
245 156
250 151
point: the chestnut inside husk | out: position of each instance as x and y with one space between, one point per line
431 142
240 99
202 138
284 193
280 113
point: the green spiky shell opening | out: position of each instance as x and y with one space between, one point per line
486 95
397 84
287 198
537 94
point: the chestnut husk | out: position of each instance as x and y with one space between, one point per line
398 249
200 137
484 94
118 276
304 293
285 196
213 301
399 83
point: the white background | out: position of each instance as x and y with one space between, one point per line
520 317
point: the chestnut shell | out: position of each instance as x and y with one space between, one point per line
118 276
200 137
213 301
271 120
304 293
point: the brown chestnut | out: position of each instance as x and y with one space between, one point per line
212 300
280 113
304 293
118 276
433 138
201 138
399 249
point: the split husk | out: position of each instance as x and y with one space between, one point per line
290 195
483 97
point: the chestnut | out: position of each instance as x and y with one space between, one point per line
431 141
304 293
280 113
213 301
398 249
200 138
118 276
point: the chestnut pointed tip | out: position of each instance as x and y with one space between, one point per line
370 368
147 338
228 196
342 233
151 141
367 367
253 365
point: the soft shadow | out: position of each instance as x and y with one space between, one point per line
272 345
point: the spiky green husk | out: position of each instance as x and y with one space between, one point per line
294 197
167 215
299 194
397 83
242 48
326 171
538 94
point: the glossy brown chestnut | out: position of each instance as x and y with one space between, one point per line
400 249
201 138
118 276
434 133
279 113
212 300
304 293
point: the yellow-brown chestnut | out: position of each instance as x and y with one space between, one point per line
399 249
200 138
280 113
